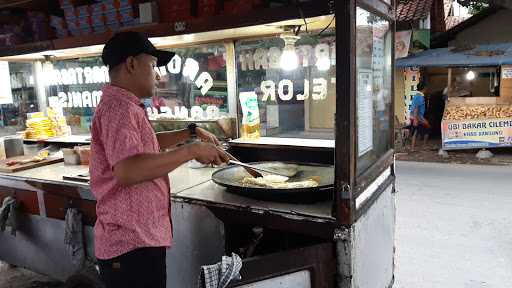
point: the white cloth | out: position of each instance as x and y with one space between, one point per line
221 274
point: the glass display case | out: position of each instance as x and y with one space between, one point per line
18 96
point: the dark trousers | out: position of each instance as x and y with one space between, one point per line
140 268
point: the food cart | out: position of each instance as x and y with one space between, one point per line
477 83
326 111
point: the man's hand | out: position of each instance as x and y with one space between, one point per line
208 153
206 136
415 121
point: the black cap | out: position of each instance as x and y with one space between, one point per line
125 44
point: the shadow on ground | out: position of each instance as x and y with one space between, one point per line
15 277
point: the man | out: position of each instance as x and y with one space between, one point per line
419 125
129 173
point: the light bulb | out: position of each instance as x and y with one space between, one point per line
48 73
323 64
470 75
289 60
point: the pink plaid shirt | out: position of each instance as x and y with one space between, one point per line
128 217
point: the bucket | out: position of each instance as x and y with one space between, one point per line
13 147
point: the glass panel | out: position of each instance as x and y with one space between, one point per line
294 86
373 102
75 86
195 77
194 87
18 96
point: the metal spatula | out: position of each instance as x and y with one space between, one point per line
258 168
249 170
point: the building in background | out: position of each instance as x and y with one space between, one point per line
417 22
473 60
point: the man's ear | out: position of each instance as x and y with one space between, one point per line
131 64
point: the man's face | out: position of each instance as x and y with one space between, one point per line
145 76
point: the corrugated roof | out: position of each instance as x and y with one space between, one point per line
447 7
479 55
452 21
413 10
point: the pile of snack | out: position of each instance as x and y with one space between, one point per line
40 126
465 112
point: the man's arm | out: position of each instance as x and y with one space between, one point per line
149 166
169 139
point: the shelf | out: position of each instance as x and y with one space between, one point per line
26 48
196 25
22 88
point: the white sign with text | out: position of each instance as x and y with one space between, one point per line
5 83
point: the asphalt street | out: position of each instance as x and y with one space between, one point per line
454 226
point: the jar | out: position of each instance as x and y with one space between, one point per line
71 156
85 153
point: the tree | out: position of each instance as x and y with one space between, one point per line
475 6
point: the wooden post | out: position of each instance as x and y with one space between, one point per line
449 82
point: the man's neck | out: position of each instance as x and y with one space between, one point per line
121 85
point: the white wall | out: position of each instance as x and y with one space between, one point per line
495 28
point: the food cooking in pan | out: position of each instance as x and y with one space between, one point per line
280 182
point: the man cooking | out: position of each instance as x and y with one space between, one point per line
129 171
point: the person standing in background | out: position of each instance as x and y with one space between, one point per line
419 124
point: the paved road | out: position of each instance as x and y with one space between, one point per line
454 226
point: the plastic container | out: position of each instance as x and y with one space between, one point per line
31 149
126 15
70 13
84 22
85 153
83 11
97 9
98 20
100 29
112 17
13 146
71 157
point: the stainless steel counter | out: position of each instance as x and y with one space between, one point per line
186 184
181 178
50 173
211 193
72 139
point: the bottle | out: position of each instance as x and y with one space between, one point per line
250 115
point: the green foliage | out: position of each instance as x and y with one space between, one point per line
475 6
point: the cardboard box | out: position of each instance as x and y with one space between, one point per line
148 12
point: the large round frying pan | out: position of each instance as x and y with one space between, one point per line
231 177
